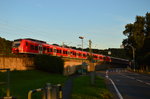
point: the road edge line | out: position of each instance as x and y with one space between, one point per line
119 94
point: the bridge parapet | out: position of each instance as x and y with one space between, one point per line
71 65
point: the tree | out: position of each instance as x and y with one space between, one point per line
5 46
138 32
138 35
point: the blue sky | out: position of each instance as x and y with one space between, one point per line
57 21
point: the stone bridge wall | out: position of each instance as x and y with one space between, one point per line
26 63
16 62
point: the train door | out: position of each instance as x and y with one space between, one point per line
68 52
55 52
40 49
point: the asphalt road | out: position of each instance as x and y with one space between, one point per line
130 85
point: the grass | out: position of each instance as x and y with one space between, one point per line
23 81
82 89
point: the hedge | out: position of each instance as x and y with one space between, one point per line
52 64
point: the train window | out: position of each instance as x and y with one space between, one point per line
44 48
64 52
84 55
51 50
75 53
26 43
48 50
79 54
57 51
36 48
16 45
104 58
32 47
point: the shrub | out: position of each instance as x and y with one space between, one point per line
52 64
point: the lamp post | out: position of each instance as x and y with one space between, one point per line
82 41
81 37
133 54
133 51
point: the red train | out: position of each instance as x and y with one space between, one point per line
32 46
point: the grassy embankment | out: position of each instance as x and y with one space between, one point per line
23 81
82 89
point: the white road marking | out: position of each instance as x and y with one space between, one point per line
136 79
118 93
139 80
147 83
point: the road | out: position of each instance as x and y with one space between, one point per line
129 85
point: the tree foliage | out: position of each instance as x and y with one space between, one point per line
5 46
52 64
138 36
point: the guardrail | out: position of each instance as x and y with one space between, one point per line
49 92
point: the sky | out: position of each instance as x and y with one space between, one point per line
63 21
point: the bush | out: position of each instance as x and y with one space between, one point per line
52 64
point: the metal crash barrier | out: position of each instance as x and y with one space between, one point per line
49 92
8 85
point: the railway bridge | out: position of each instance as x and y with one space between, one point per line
71 65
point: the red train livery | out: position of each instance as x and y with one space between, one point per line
32 46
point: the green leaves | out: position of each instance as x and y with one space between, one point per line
48 63
138 35
5 46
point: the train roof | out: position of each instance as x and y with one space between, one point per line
35 40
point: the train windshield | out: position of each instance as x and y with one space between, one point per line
16 44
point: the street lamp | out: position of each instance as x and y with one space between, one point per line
82 41
80 37
133 53
109 52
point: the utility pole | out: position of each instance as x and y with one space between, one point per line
91 57
82 50
92 68
63 45
90 49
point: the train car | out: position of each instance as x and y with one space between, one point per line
101 57
29 46
32 46
95 56
107 58
65 52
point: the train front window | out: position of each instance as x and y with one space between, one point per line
16 44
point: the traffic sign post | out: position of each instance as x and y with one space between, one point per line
8 86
